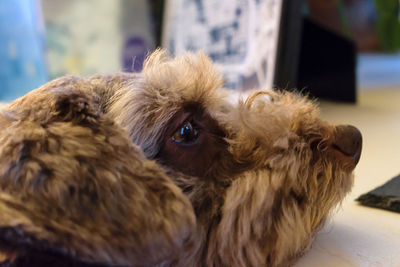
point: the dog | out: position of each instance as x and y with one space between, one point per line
164 168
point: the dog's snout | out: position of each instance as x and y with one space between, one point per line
348 140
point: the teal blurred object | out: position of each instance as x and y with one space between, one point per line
22 60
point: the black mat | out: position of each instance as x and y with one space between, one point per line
385 197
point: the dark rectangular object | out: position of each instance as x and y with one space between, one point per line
327 64
288 49
385 197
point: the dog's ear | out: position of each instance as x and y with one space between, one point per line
75 190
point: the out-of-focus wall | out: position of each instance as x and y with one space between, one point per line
374 25
96 36
44 39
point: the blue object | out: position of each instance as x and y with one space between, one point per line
22 61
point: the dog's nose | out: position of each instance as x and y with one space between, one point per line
348 140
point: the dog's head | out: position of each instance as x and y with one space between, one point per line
262 172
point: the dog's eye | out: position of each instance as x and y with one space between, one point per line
186 134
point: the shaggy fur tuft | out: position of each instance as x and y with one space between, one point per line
163 168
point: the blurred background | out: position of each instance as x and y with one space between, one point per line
257 43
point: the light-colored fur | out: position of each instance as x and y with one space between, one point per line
261 203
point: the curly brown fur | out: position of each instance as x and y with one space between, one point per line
72 183
261 174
